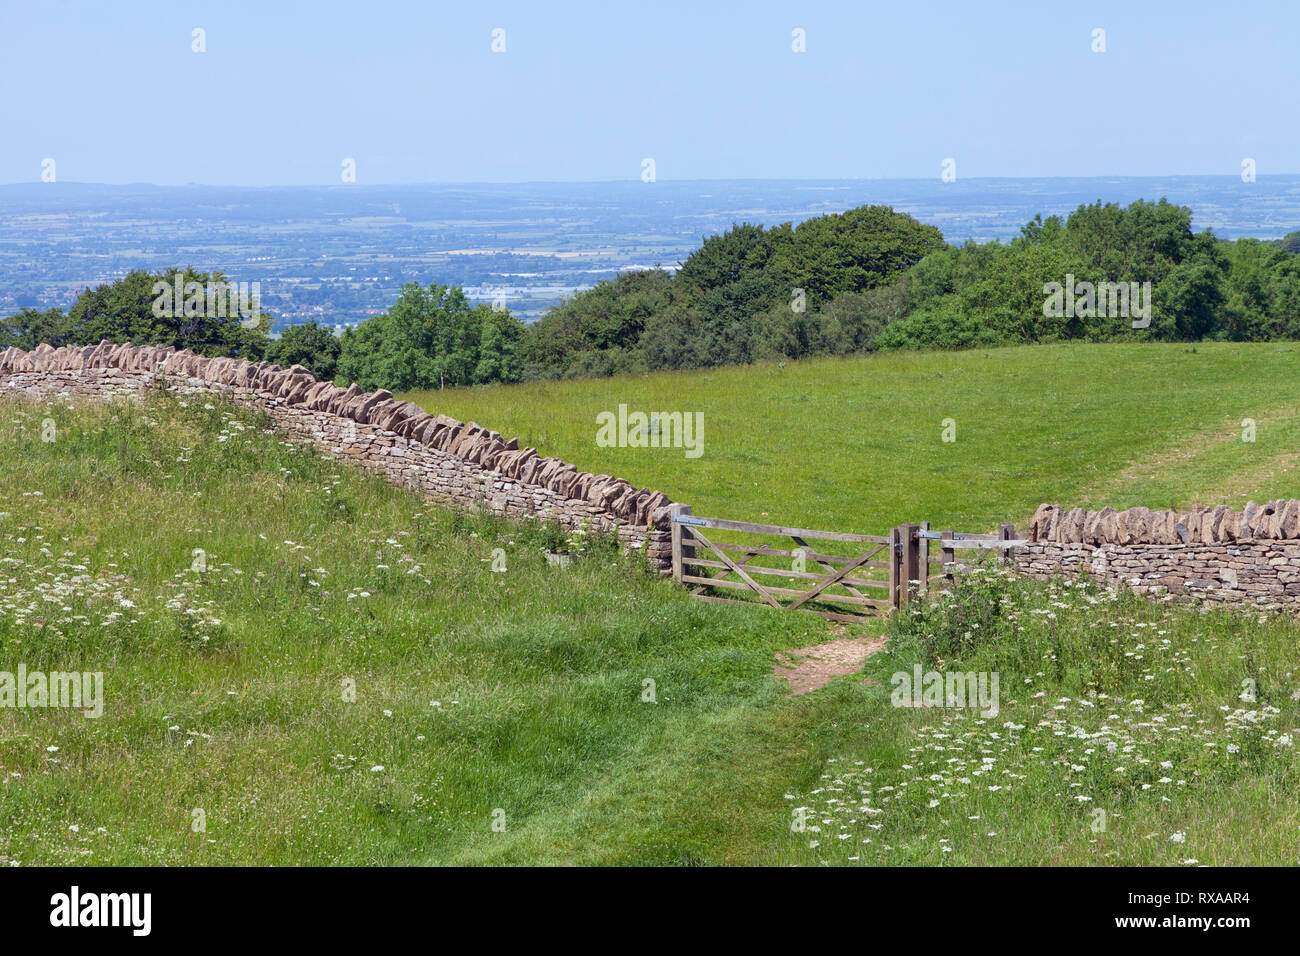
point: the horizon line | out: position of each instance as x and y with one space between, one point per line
635 180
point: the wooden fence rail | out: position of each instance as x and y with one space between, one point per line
844 582
883 575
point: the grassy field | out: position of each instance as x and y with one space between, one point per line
856 444
475 692
235 590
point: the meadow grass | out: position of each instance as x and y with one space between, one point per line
855 444
233 588
476 691
1125 732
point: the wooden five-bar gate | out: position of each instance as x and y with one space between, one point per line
871 574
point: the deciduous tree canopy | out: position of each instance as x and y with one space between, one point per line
145 308
430 338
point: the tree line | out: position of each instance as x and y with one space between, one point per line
860 281
429 338
872 279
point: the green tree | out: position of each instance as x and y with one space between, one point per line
143 307
609 317
309 345
1189 300
853 252
430 338
730 279
30 327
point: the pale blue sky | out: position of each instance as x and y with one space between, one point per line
413 92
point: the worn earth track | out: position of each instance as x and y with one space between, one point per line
809 668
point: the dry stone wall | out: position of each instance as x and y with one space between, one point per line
455 463
1216 555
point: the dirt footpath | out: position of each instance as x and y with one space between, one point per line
808 668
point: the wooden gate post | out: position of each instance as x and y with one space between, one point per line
949 558
924 549
1006 533
677 540
911 570
895 564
